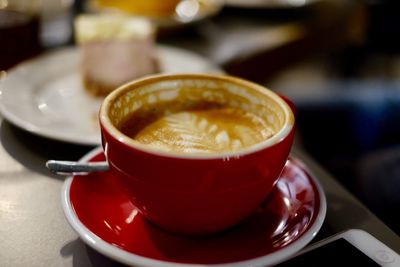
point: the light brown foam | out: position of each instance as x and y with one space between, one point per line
214 130
196 116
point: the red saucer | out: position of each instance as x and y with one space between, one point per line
106 220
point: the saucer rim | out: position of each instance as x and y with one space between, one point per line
130 259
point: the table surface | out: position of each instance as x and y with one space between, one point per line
33 229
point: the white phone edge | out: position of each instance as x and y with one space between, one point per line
366 243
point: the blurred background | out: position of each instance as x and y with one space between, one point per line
337 60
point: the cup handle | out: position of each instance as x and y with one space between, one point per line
290 103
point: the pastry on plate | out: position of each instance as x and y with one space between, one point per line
115 49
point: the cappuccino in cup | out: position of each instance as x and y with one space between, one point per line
196 118
196 153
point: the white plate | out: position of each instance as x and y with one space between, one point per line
45 96
273 4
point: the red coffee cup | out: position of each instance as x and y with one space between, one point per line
195 193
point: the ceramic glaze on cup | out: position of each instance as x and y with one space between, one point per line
196 191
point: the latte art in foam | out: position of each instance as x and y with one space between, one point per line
204 131
197 116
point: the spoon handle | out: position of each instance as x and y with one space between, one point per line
73 167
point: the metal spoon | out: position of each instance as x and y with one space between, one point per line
75 168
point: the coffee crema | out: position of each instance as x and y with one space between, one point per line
196 116
199 131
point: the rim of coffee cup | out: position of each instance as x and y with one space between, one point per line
151 79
